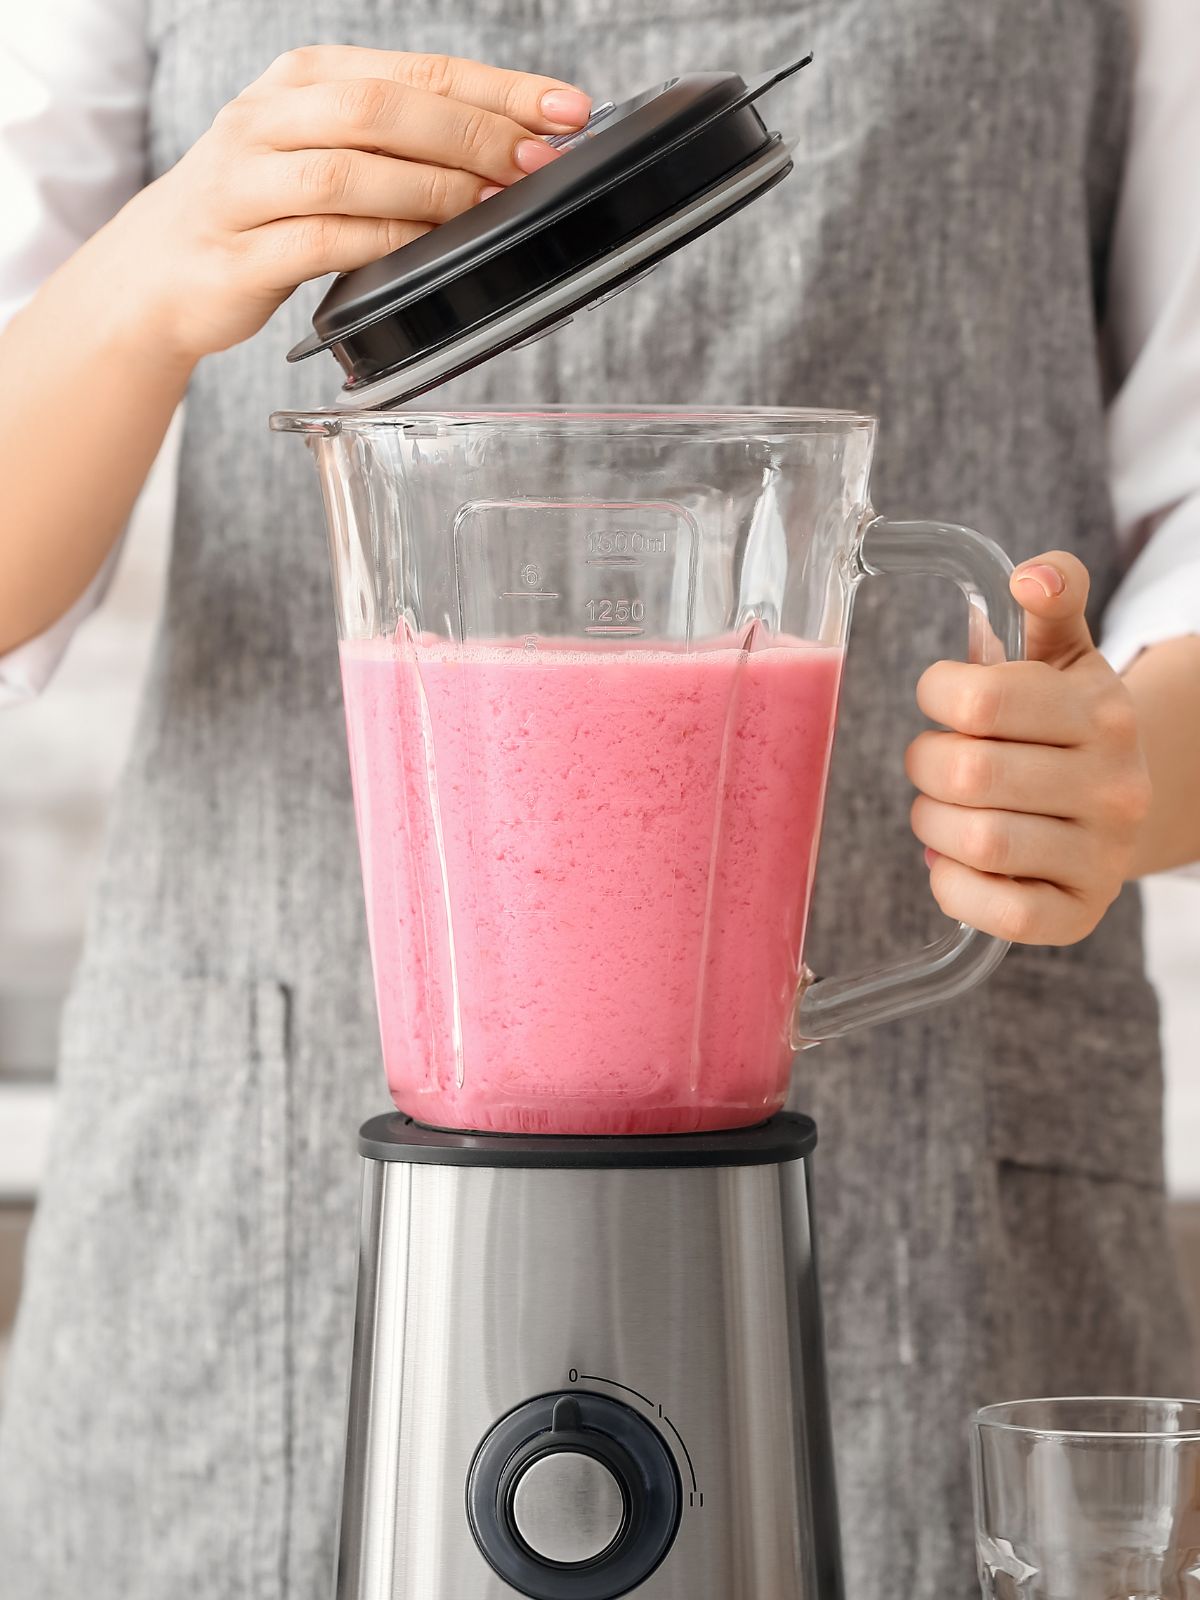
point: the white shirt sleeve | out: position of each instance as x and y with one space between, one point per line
74 82
1154 341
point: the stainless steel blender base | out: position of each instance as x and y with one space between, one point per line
596 1376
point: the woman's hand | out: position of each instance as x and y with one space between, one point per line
1030 804
333 158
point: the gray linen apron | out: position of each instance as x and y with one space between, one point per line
990 1177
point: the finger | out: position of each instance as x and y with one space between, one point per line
1006 777
1029 701
299 248
540 104
1010 843
1052 591
375 115
1023 913
351 183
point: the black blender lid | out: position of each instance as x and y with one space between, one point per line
640 180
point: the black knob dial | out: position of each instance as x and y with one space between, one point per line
574 1497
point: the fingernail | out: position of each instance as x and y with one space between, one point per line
1048 579
489 190
930 856
569 108
531 154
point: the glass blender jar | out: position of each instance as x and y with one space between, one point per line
590 662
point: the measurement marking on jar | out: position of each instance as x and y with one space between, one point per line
614 631
620 611
526 594
614 561
622 543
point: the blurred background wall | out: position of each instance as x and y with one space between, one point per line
59 760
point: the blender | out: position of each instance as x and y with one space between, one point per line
590 663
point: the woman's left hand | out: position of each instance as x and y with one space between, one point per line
1030 803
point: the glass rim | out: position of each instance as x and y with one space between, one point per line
789 419
992 1416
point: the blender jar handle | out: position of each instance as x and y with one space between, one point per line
826 1008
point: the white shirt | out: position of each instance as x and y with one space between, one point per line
74 83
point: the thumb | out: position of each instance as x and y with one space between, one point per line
1052 591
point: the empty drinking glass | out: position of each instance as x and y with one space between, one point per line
1088 1499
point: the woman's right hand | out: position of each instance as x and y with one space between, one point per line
334 157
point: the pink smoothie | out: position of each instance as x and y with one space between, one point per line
587 877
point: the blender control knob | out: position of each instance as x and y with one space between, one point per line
574 1497
567 1507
